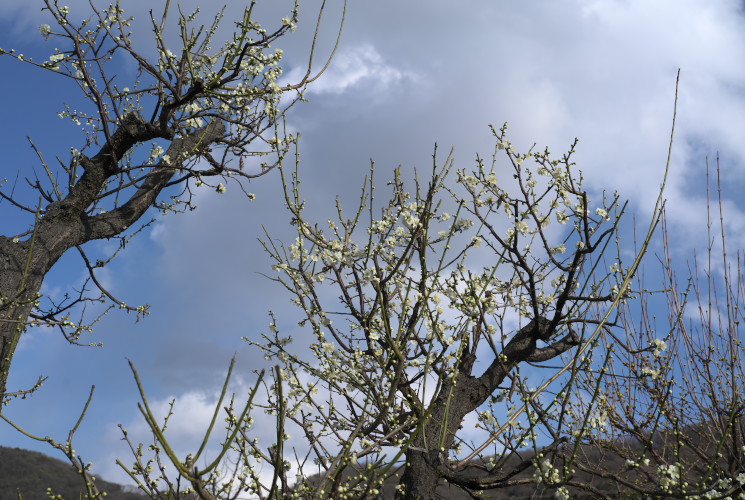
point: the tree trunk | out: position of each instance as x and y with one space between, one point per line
426 459
21 275
427 456
421 477
65 223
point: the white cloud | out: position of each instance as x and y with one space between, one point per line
192 412
187 426
354 67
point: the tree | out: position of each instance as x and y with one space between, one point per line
411 316
412 333
420 334
672 401
205 114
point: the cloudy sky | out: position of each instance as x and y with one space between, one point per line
407 75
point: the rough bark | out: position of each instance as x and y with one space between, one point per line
65 224
20 282
426 459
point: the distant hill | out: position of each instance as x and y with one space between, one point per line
32 473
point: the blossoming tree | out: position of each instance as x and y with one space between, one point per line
672 387
189 114
450 337
433 326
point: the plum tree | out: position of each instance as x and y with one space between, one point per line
188 115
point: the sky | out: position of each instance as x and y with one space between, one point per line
407 75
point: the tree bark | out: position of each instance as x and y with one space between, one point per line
426 459
20 283
65 223
427 455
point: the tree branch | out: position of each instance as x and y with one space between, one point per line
114 222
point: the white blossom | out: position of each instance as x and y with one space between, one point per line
659 346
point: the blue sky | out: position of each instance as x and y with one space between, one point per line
407 75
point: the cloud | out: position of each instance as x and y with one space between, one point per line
359 67
192 412
188 422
